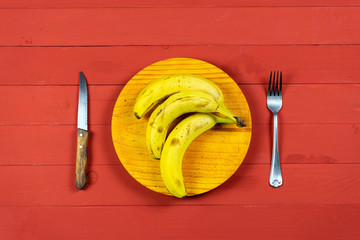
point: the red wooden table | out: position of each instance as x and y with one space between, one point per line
44 45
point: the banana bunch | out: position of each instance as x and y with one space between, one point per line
174 96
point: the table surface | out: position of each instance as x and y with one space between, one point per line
44 45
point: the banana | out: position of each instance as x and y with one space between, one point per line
168 85
175 106
175 146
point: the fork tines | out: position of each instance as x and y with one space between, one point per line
275 89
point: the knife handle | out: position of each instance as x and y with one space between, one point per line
81 158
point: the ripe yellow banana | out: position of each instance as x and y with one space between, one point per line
175 146
168 85
175 106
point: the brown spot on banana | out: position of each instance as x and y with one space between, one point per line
159 112
178 183
175 141
197 128
201 105
188 131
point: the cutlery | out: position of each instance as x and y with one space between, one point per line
82 135
274 103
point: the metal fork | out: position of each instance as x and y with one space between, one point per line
274 103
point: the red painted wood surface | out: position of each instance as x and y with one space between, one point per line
307 103
43 46
177 3
53 185
207 222
179 26
245 64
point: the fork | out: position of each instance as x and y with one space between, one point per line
274 103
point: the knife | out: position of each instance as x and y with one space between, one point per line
82 135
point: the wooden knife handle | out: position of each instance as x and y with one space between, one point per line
81 158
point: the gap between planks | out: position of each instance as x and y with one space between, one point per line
180 45
123 85
183 205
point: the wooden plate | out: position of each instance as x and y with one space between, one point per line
210 160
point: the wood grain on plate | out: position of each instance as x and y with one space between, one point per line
211 159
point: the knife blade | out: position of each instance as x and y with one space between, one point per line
82 135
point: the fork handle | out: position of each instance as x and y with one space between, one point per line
275 172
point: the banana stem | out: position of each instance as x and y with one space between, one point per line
221 119
224 111
240 122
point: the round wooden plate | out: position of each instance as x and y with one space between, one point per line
210 160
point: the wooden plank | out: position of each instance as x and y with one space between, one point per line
112 185
54 105
320 222
317 103
164 26
116 65
306 143
162 3
57 105
54 145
